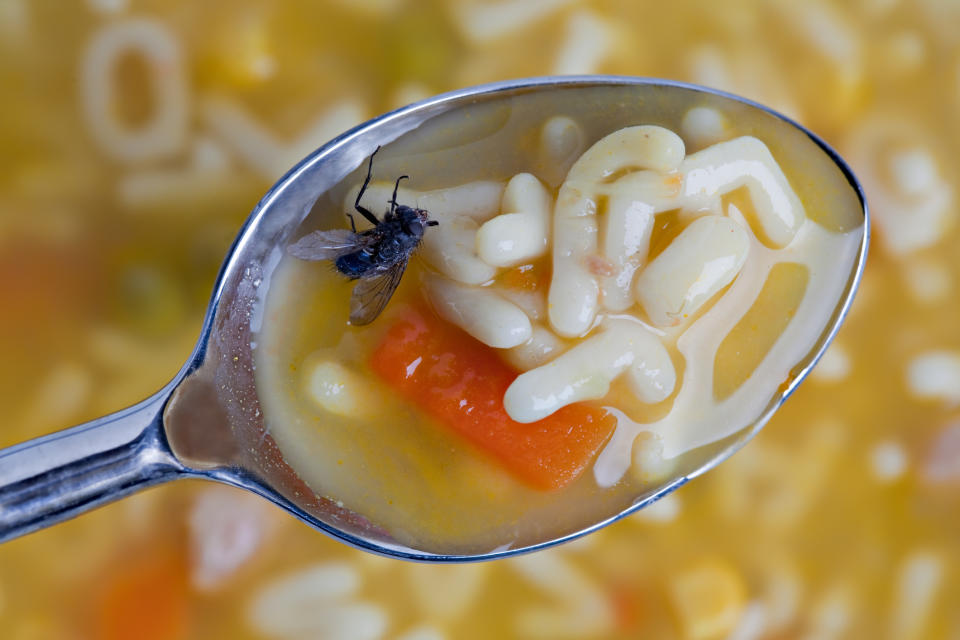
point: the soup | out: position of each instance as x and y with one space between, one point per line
839 520
561 343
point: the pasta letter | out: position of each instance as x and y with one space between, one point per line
586 371
746 161
520 234
574 289
703 259
479 311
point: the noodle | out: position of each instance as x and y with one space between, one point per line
164 134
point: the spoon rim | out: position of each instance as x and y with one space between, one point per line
246 232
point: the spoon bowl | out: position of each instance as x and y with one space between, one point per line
207 422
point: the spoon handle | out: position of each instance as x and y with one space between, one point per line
61 475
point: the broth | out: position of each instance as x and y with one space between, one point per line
839 520
431 488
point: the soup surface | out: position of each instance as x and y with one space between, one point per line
840 520
554 349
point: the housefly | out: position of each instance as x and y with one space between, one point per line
377 257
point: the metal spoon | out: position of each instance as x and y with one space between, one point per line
206 422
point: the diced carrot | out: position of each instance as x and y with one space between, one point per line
146 599
460 382
627 601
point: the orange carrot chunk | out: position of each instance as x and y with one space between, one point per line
146 599
460 382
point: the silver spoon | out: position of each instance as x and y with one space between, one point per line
206 422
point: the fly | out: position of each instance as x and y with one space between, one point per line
377 257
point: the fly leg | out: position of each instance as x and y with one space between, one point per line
356 205
393 201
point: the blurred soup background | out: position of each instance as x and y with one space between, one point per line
137 135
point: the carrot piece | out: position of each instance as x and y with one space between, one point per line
146 599
627 601
460 382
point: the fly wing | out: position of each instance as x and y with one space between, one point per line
372 294
326 245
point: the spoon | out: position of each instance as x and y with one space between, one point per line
206 422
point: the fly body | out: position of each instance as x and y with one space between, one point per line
377 257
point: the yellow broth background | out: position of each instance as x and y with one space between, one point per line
841 520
